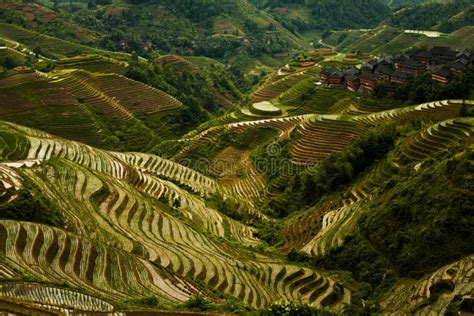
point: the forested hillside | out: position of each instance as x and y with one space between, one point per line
215 29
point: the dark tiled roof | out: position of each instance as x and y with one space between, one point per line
351 78
384 70
328 71
386 60
370 64
400 75
464 53
458 65
337 74
443 72
463 61
351 71
412 63
400 57
442 50
368 76
422 54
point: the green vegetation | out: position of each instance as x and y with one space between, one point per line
334 173
389 40
149 301
10 59
422 220
197 303
443 16
371 270
294 309
181 170
228 206
411 227
216 29
424 89
187 84
323 15
270 232
30 205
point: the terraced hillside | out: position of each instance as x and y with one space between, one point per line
52 45
83 106
390 40
155 160
449 286
146 211
311 139
92 63
339 221
140 215
277 86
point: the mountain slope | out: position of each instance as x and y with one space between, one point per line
304 15
210 28
447 16
390 40
123 201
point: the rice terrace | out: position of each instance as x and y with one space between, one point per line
236 157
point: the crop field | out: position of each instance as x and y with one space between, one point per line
389 40
92 63
50 44
131 198
206 158
265 108
149 215
79 105
321 136
442 286
273 89
335 221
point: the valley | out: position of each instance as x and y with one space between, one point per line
211 161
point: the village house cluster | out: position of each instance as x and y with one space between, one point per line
443 63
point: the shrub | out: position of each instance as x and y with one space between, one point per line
148 301
31 205
197 303
294 309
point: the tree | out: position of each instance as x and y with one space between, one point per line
380 90
134 59
37 51
8 62
91 5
